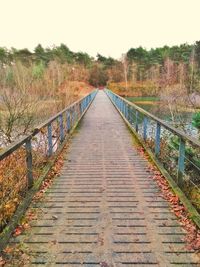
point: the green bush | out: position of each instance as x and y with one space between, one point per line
38 70
196 120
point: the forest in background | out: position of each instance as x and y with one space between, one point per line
35 85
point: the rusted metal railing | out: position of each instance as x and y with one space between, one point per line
22 163
178 152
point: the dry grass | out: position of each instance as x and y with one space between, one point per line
134 89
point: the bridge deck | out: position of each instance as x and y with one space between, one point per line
104 210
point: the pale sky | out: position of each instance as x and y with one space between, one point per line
108 27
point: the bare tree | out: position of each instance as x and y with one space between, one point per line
124 60
17 115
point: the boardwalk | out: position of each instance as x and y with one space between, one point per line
104 210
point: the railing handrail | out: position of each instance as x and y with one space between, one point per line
11 148
174 130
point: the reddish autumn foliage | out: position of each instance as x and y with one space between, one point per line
11 252
12 184
192 232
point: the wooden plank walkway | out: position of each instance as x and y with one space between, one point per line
104 210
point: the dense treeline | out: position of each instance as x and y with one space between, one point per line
42 57
162 59
34 85
138 64
64 54
45 55
139 60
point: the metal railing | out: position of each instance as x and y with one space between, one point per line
22 163
179 153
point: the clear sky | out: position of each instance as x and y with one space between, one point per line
108 27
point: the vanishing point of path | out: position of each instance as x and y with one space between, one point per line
104 209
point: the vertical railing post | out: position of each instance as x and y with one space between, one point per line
50 142
29 163
127 112
84 104
75 113
123 108
157 139
131 116
181 162
66 118
68 121
72 117
136 121
62 135
81 108
145 123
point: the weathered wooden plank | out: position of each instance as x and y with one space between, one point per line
104 207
